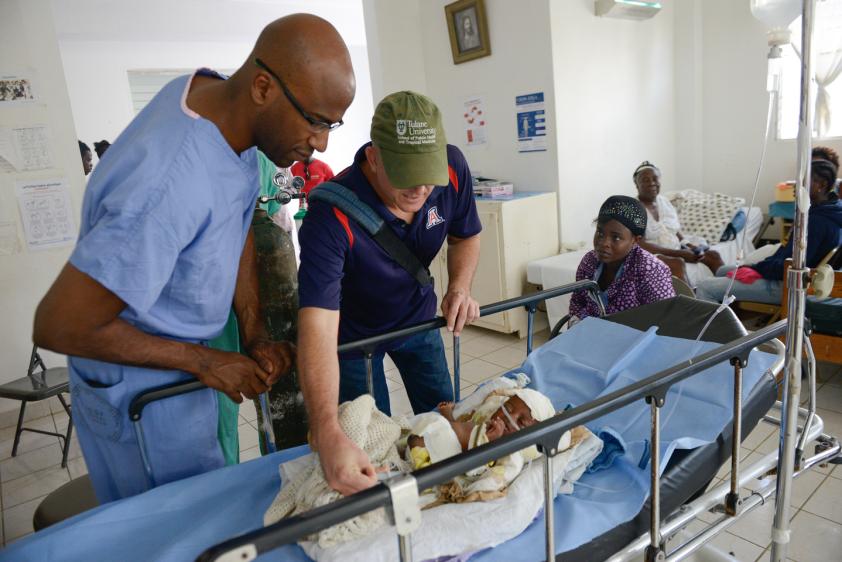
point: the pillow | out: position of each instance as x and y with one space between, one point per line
705 214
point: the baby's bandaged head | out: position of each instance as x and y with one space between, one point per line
540 406
440 440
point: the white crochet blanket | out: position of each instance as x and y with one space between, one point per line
454 529
372 431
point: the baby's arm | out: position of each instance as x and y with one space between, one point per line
446 410
495 429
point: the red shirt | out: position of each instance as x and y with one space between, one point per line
313 173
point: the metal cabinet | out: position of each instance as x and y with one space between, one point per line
515 231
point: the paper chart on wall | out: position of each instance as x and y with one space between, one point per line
32 145
46 212
25 148
531 123
474 119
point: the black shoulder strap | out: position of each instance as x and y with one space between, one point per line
347 201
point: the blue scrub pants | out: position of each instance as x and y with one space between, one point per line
180 432
713 289
423 368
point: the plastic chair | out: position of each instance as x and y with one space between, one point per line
776 311
39 385
682 288
826 347
63 503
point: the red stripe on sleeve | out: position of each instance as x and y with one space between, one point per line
454 179
343 220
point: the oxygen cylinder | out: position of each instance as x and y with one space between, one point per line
277 274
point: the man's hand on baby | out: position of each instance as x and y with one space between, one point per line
347 468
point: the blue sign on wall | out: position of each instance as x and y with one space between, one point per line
531 123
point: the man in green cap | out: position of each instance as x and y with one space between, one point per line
351 288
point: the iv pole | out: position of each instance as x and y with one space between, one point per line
797 276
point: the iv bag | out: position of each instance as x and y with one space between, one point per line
776 14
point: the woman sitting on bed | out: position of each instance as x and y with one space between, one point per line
628 276
763 281
689 260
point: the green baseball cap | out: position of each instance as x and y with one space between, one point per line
407 129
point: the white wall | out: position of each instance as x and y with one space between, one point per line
733 99
396 56
615 106
97 57
28 46
92 43
689 107
520 63
608 86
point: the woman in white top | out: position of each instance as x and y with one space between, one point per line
688 259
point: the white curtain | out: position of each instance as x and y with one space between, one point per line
828 43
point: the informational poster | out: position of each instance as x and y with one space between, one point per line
25 149
15 89
474 117
531 123
33 147
46 212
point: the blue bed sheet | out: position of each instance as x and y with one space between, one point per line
179 520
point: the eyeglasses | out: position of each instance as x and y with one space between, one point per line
317 125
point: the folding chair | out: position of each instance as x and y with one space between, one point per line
35 386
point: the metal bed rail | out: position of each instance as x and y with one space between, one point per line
399 495
714 499
368 347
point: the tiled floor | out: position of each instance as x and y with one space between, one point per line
817 497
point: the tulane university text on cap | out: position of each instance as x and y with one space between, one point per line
407 129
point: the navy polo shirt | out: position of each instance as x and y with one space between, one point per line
343 268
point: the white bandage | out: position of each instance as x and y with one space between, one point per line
540 406
440 440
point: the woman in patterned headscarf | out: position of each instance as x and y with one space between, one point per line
628 276
691 262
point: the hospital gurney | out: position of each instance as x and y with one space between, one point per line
684 477
198 525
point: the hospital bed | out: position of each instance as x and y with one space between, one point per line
676 491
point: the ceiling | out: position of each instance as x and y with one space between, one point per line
194 20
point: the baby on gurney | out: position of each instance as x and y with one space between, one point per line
498 407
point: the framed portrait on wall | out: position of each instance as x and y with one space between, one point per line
468 30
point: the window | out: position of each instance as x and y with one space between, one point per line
827 52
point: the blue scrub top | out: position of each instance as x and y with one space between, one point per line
164 220
165 217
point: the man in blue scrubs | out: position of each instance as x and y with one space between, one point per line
349 286
165 248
